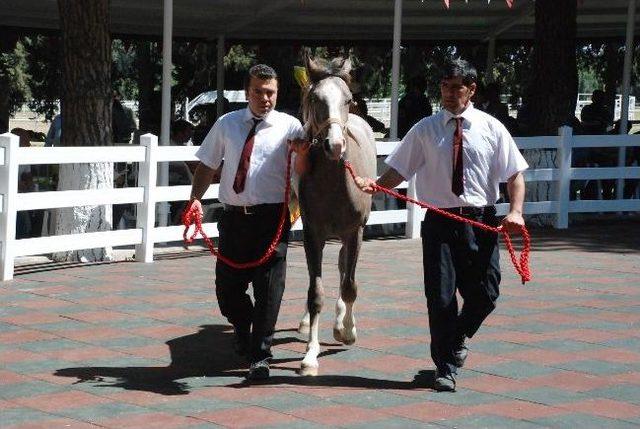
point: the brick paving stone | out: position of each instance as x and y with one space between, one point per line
583 421
491 422
246 417
339 414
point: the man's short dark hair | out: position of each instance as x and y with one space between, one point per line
260 71
460 68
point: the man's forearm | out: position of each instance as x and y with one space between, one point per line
201 181
390 179
515 188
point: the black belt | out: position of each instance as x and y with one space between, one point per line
249 210
471 211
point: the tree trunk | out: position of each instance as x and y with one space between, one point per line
86 112
554 89
555 81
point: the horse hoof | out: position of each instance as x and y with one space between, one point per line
338 335
306 370
303 328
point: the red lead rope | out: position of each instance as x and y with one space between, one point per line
521 266
192 215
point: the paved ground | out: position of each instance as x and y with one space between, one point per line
144 346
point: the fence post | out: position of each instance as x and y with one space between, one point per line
413 212
9 191
146 213
565 145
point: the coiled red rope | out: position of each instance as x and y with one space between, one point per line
192 215
520 264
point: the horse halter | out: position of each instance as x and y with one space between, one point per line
323 126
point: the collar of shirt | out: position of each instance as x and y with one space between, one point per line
267 119
467 114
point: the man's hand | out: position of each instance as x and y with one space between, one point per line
193 205
366 184
299 146
512 222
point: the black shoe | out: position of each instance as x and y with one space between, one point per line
242 344
258 371
460 351
445 381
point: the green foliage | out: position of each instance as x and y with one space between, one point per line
14 76
123 69
44 57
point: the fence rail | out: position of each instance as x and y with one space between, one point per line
147 194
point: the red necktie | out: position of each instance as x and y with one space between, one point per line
245 159
457 186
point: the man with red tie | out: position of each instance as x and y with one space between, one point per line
253 144
459 156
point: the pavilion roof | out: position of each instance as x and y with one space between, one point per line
329 20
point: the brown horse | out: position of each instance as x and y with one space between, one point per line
332 206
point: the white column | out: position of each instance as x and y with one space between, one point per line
626 84
395 69
147 177
167 42
220 75
565 144
9 144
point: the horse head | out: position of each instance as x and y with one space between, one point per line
326 103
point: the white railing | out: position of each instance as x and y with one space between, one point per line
146 195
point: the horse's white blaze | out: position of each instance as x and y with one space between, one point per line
336 137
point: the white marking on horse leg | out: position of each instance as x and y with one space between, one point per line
310 365
303 327
350 335
338 327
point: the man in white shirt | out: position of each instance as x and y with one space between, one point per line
459 156
253 144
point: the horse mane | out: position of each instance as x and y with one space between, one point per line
319 68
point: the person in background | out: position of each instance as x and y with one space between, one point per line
55 132
414 106
460 177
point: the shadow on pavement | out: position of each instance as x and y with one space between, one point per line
208 352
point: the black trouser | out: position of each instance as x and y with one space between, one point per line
245 238
457 256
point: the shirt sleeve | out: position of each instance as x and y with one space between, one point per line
211 152
409 156
509 161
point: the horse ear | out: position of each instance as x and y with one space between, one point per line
342 69
346 66
316 71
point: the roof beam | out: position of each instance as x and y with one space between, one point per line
523 12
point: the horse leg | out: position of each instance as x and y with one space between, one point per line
303 327
313 250
344 329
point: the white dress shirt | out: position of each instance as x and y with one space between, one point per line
267 170
490 156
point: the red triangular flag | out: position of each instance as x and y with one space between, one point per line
446 4
510 3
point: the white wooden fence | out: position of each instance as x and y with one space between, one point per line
146 195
